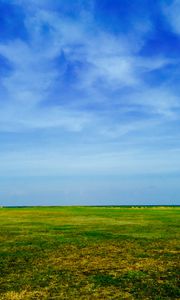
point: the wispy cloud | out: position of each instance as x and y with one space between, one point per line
172 11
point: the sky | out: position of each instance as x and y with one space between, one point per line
89 102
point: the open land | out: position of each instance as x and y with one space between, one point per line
89 253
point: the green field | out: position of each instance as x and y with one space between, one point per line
89 253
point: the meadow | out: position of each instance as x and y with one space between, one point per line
89 253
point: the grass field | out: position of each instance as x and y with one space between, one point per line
89 253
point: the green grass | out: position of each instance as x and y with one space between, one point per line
89 253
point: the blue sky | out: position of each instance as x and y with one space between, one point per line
89 102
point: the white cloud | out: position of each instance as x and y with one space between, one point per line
113 63
161 101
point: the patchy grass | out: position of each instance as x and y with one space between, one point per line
89 253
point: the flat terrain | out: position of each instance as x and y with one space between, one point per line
89 253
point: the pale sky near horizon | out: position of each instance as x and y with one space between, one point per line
89 102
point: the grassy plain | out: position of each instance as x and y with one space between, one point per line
89 253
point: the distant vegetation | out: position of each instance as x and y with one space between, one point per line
89 253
